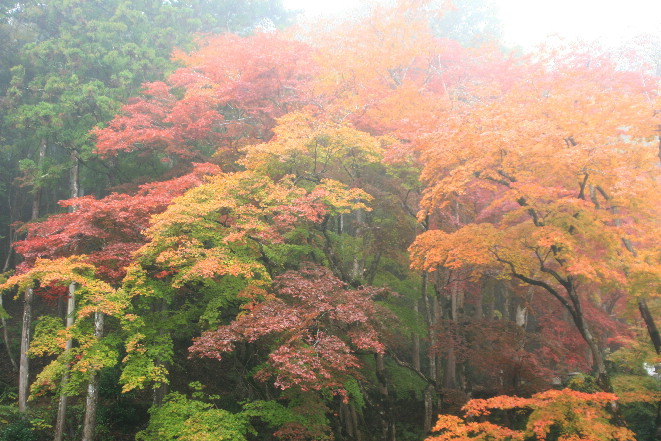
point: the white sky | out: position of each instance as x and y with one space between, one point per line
527 22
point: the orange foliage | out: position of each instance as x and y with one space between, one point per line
559 165
565 415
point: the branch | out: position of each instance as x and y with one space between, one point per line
581 194
531 211
521 201
503 182
541 284
409 366
335 265
506 176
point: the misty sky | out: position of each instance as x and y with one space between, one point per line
527 22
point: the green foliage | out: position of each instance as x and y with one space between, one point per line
584 383
219 295
272 413
19 430
405 383
16 427
47 336
304 415
640 419
631 359
355 393
183 419
408 320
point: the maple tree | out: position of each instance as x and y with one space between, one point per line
108 230
227 95
226 235
313 315
389 216
556 414
551 180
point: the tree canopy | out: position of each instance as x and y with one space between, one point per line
223 230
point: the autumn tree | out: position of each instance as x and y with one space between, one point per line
561 170
226 237
226 96
72 65
312 325
103 234
554 414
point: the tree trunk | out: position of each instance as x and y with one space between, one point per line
450 373
388 423
429 409
599 363
71 306
416 338
656 341
358 267
12 233
36 195
24 362
356 425
5 335
62 405
74 187
429 319
649 323
93 387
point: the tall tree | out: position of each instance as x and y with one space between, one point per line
544 155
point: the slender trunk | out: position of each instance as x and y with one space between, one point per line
358 268
574 307
438 316
74 187
650 324
374 266
36 195
12 233
491 300
356 426
5 335
71 306
24 362
450 374
416 338
345 420
62 405
388 423
521 315
428 394
477 313
658 421
160 390
506 302
93 387
656 341
429 406
599 362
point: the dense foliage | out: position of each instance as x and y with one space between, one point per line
219 230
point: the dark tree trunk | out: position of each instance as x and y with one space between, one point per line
388 423
650 324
